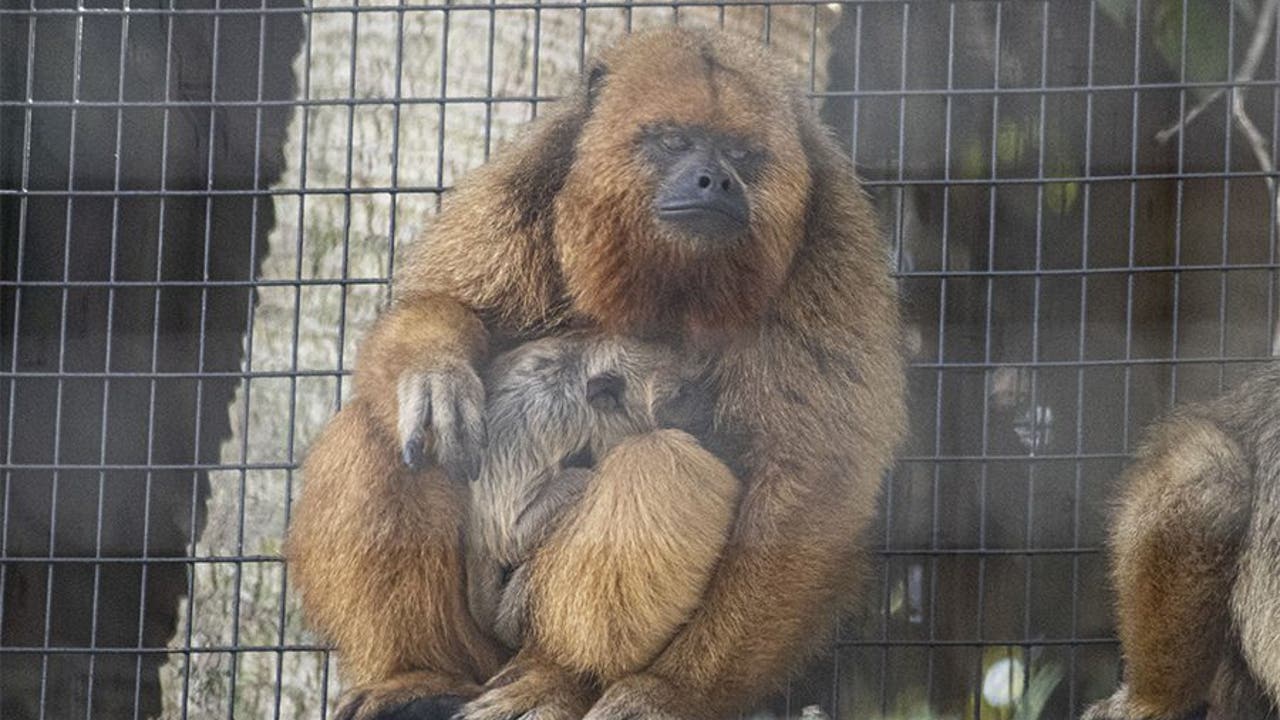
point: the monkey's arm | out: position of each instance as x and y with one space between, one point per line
776 588
821 431
416 370
538 519
487 255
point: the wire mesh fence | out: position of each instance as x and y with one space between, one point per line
200 207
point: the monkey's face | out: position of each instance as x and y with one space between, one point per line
700 198
686 199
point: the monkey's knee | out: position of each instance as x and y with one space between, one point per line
630 564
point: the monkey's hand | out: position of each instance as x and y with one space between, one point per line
639 697
448 401
417 369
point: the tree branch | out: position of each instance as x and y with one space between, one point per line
1258 142
1257 47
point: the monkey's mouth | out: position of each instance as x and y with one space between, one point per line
706 220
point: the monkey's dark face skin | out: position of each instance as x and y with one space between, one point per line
703 182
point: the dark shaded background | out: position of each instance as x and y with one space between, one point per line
140 275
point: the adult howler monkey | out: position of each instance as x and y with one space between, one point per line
1196 563
685 193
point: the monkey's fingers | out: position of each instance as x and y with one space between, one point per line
457 421
637 697
528 691
414 400
450 404
439 707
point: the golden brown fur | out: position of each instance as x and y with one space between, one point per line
607 595
1196 562
800 320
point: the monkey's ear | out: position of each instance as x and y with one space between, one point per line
596 73
832 179
839 219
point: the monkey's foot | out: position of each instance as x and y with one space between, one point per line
1118 707
1104 710
412 696
639 697
530 690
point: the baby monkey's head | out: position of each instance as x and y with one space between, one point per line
572 398
643 386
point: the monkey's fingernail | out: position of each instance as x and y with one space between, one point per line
412 453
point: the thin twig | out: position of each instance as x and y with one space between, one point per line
1258 143
1165 135
1257 47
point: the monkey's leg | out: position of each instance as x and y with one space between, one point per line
629 565
375 549
502 607
1174 547
795 553
620 574
1236 693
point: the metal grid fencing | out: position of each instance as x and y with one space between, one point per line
200 206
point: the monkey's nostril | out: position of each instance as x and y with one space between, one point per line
704 182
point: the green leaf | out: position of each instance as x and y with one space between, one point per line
1043 682
1117 10
1206 49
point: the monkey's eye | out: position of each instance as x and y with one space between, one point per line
738 154
675 141
604 392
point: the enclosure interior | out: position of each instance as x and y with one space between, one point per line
201 204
